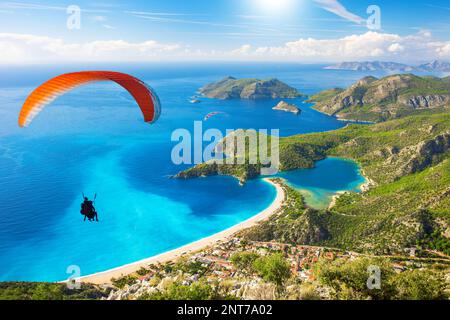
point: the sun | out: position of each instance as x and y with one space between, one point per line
274 6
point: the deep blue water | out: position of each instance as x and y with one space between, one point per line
93 140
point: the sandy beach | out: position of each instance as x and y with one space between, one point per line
106 276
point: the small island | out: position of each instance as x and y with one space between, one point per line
287 107
248 88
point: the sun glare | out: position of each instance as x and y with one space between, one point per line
274 6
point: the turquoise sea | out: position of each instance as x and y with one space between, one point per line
329 176
93 140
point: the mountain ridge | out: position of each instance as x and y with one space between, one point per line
433 66
393 96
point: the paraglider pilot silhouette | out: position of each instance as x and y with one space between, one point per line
88 209
144 96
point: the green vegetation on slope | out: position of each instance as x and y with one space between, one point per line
268 274
48 291
348 281
407 163
232 88
325 95
386 151
273 268
178 291
394 96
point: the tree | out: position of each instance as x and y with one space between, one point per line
244 260
419 285
348 279
177 291
273 268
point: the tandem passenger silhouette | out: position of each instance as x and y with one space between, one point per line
88 209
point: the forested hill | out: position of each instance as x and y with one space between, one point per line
248 88
395 96
407 162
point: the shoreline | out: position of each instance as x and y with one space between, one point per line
342 119
363 187
104 277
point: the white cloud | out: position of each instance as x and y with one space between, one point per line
370 45
24 48
444 51
396 48
243 50
338 9
11 54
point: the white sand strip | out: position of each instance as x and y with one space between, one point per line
106 276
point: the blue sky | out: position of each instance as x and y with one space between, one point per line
217 28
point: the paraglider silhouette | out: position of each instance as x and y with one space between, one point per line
88 209
145 97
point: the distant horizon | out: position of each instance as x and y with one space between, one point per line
193 62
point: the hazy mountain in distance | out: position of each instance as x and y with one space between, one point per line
433 66
370 66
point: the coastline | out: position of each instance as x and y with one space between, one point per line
104 277
369 183
363 187
342 119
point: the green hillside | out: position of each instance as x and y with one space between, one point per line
407 163
232 88
395 96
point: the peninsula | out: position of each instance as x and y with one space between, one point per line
394 96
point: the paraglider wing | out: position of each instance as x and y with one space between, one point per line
145 97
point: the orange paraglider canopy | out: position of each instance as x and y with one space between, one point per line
145 97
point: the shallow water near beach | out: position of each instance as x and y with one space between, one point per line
93 140
328 177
